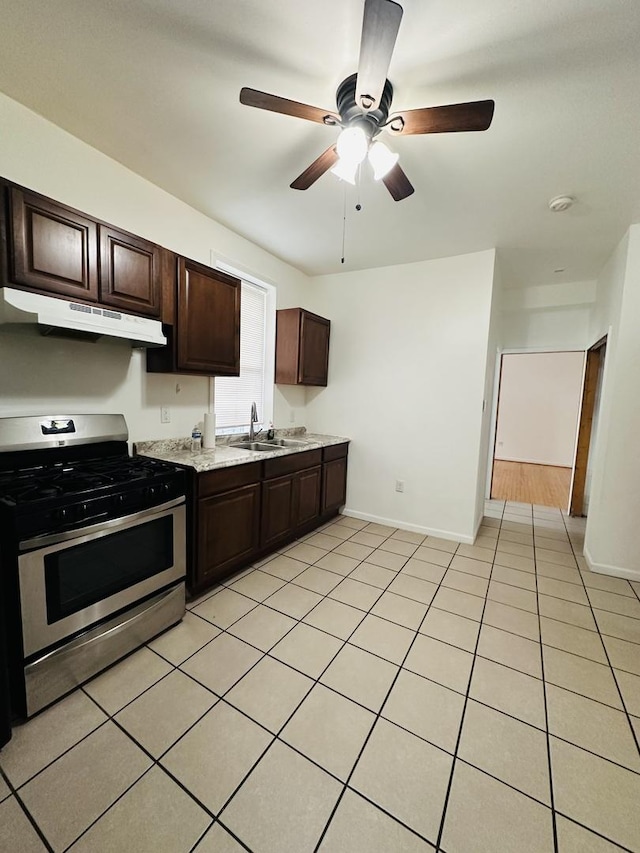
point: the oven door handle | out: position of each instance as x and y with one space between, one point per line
55 538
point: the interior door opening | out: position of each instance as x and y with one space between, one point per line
538 409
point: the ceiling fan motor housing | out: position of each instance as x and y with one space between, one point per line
352 114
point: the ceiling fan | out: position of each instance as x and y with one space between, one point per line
364 111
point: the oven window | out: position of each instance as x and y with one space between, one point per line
81 575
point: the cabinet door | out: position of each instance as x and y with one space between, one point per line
314 349
277 509
129 272
308 487
208 320
334 491
52 247
228 532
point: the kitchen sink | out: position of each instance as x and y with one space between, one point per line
269 444
255 445
286 442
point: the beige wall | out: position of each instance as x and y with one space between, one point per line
612 540
407 377
40 375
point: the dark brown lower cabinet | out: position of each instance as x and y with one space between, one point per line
226 523
307 506
291 502
228 531
334 478
277 506
242 513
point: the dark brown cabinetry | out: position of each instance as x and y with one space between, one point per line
227 522
334 477
129 272
290 495
54 249
51 247
204 337
277 506
241 513
302 347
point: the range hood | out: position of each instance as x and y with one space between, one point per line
59 316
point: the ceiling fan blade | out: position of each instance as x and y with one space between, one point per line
380 26
453 118
264 101
319 166
398 183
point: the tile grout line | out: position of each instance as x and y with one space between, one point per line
613 673
316 681
447 797
378 715
22 805
546 707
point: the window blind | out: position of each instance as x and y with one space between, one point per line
235 394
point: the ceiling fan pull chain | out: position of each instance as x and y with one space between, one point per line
344 221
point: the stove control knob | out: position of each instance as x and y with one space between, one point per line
82 510
118 501
152 492
166 488
62 514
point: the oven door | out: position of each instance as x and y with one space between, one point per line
72 581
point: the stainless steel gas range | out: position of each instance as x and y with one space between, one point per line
92 550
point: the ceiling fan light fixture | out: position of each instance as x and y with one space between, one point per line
352 145
382 160
346 170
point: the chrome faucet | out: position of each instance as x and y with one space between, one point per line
254 420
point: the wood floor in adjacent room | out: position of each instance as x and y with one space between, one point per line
545 485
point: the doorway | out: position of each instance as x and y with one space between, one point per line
538 409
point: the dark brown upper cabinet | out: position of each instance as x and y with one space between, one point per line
204 331
52 247
130 269
302 347
55 249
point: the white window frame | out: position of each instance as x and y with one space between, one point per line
265 417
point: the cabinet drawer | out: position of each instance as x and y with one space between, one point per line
214 482
335 451
291 464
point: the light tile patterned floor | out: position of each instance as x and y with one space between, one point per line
368 689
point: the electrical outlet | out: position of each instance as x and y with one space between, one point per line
399 485
165 415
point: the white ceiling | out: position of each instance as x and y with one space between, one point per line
155 85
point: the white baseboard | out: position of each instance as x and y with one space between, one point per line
614 571
413 528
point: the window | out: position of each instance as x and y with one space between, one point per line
235 394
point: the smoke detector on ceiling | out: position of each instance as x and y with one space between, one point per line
561 202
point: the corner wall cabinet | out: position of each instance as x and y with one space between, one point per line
202 322
302 347
241 513
54 249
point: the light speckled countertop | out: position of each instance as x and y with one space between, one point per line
178 450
